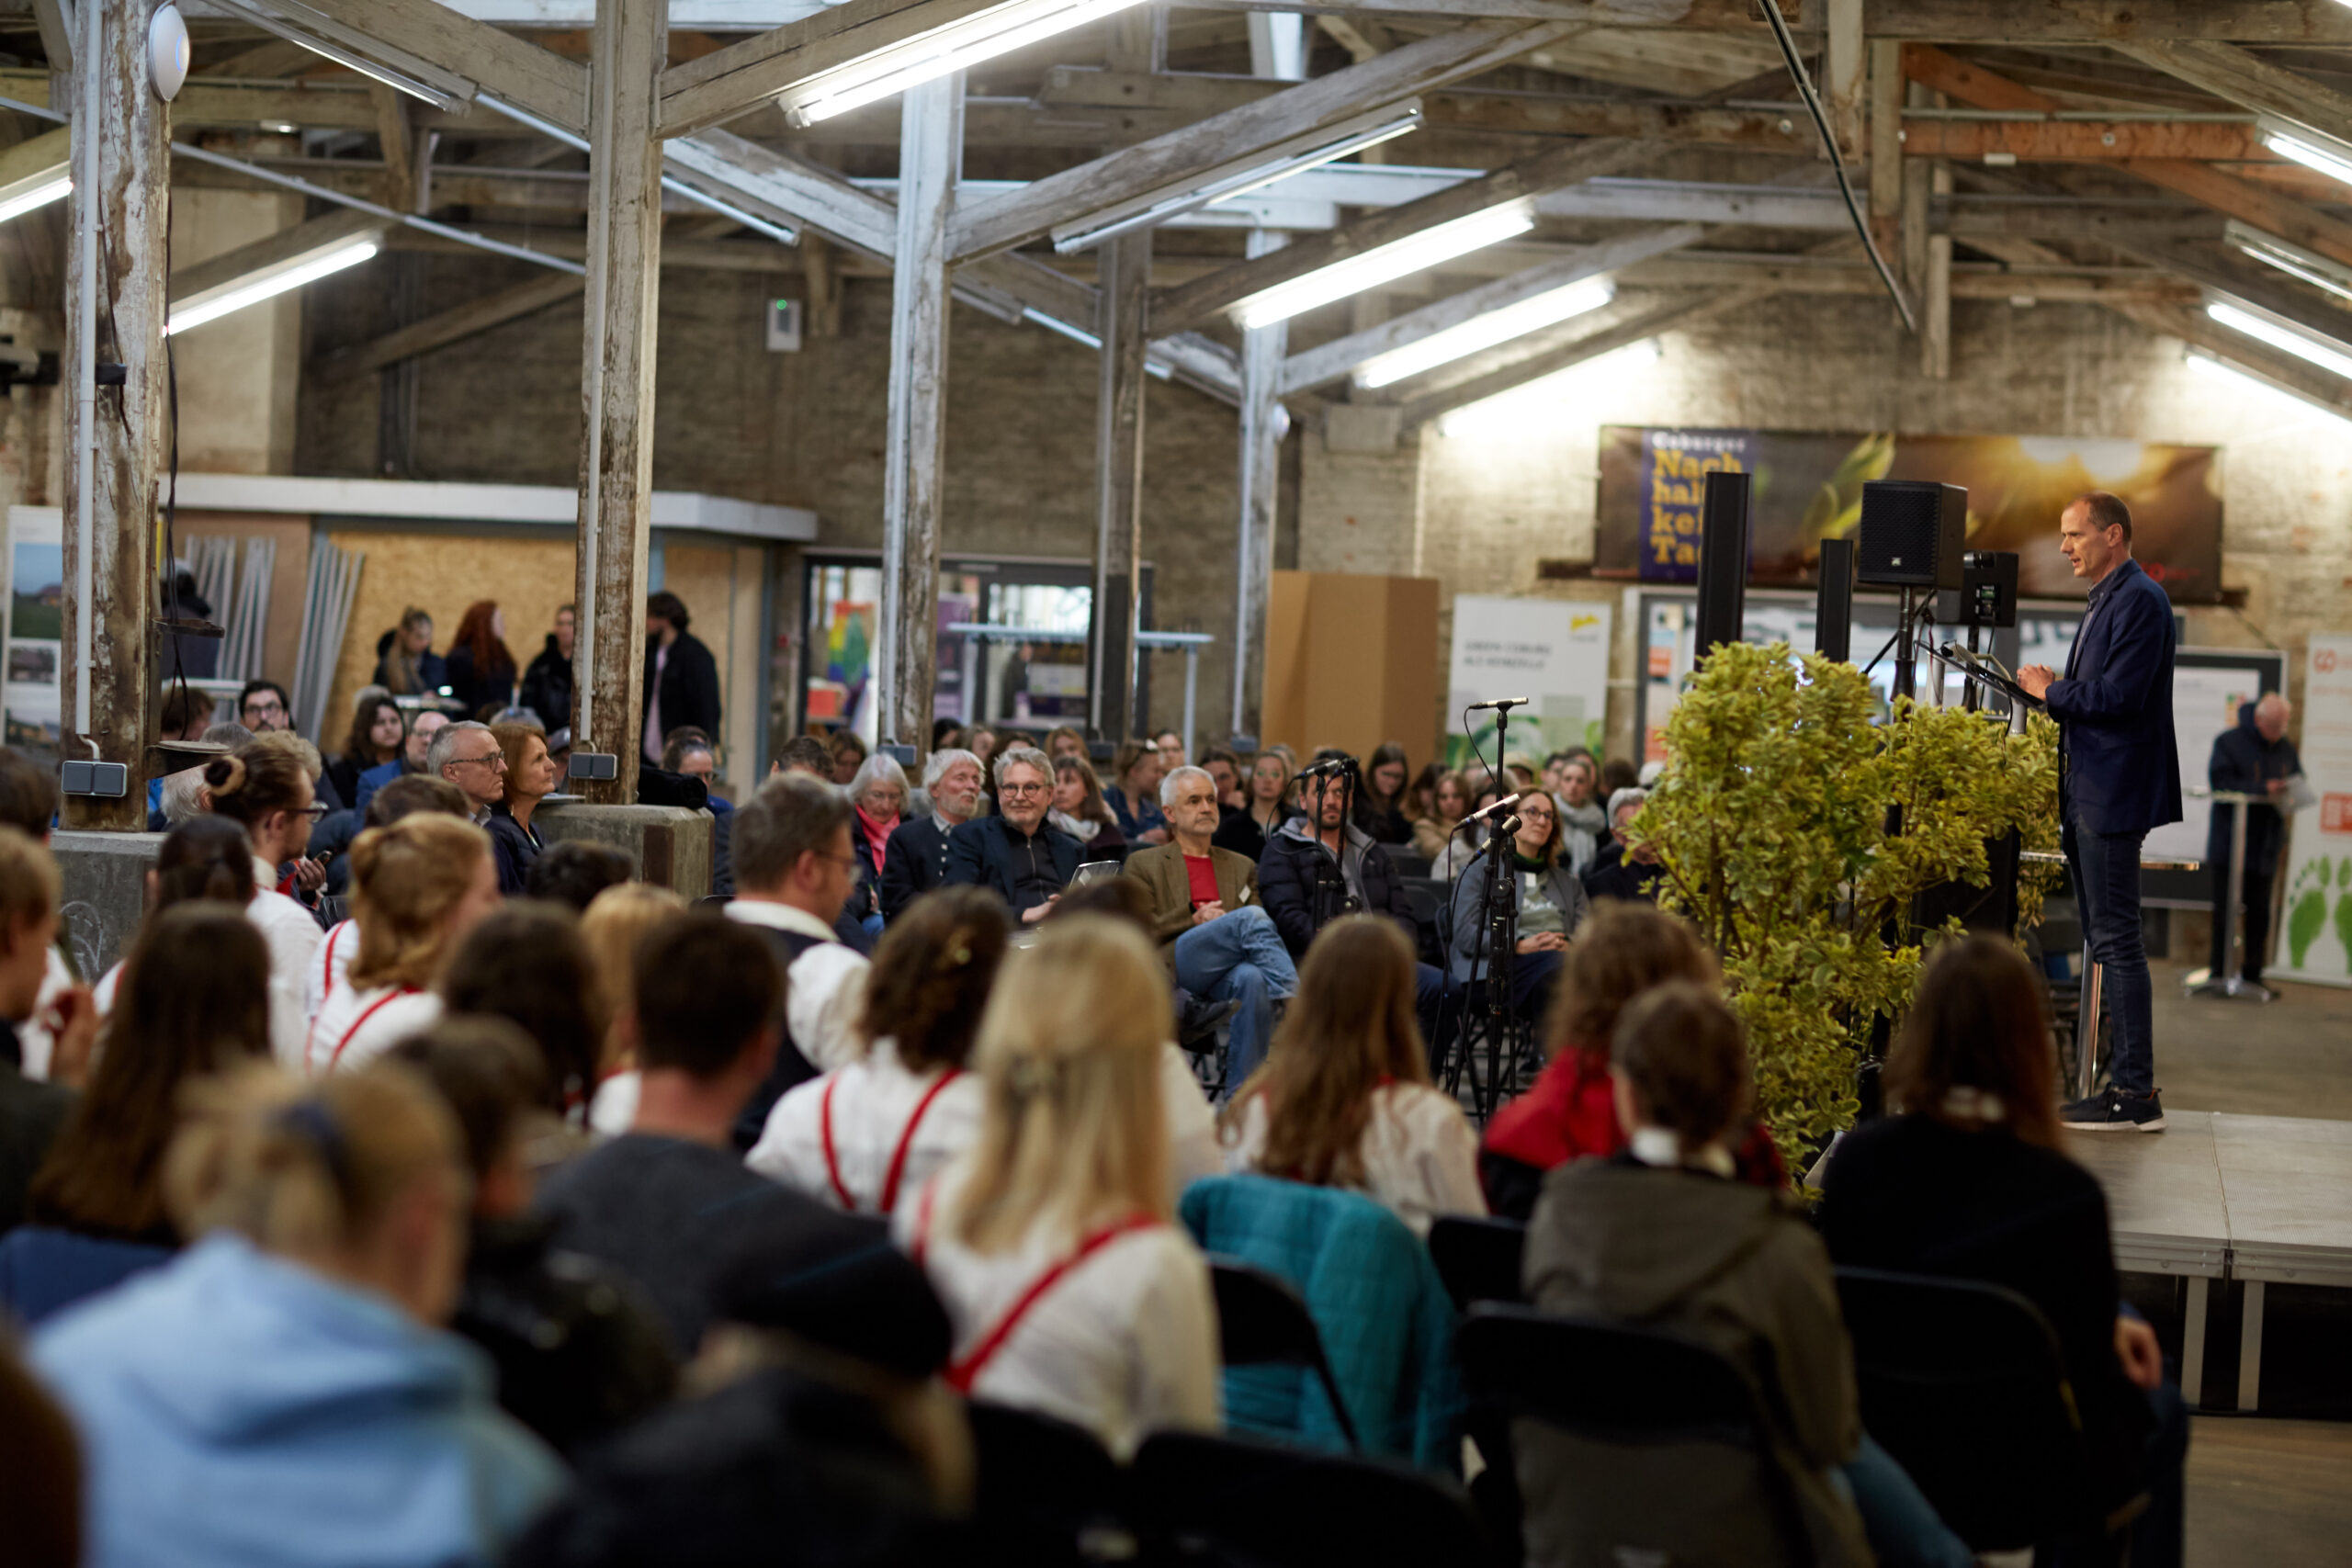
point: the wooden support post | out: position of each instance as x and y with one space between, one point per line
394 134
1844 70
631 43
1125 282
930 153
1935 328
1917 187
822 283
1263 421
1886 142
114 315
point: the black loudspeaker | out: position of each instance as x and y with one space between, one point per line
1833 612
1723 561
1987 596
1912 533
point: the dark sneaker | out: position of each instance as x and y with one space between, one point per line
2115 1112
1197 1018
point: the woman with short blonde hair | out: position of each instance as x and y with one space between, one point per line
417 887
1050 1241
616 920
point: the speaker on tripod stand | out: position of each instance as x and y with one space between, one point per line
1911 538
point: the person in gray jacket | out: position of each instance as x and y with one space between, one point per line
1550 899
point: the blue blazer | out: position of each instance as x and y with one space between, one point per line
2114 710
979 852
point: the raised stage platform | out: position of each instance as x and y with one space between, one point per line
2218 1196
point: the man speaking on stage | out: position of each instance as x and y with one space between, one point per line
2118 777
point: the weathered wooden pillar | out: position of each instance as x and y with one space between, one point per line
1126 278
931 155
616 463
1263 419
115 433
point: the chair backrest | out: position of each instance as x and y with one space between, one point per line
1407 858
1478 1258
1271 1504
1262 1319
1040 1486
1963 1381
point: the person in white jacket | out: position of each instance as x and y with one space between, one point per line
417 888
265 790
1345 1099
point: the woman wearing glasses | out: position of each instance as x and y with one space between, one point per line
267 791
1545 892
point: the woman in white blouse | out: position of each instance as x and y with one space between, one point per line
266 791
1344 1098
869 1131
418 887
1051 1242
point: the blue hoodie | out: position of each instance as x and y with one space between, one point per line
237 1409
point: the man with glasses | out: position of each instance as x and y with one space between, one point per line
1015 852
262 706
468 756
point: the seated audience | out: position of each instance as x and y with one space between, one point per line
847 749
1262 814
32 1110
1015 852
1225 769
1469 840
1549 901
1584 823
1445 803
1623 868
1080 811
194 1004
480 669
1970 1179
207 858
422 728
526 964
1571 1110
1379 795
669 1203
1050 1240
615 922
405 663
876 1127
285 1390
530 777
404 796
574 871
1319 845
417 888
877 796
915 859
577 1357
1134 792
264 790
1217 939
468 755
1661 1238
1345 1099
373 740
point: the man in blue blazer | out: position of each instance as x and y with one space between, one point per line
1016 852
2119 776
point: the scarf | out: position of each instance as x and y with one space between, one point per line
1076 826
1582 829
877 834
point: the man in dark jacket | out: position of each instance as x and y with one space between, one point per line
680 677
2254 759
1299 856
1027 862
915 859
1620 868
546 684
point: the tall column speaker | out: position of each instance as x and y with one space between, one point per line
1912 535
1833 611
1722 562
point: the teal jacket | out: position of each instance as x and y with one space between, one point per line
1386 1322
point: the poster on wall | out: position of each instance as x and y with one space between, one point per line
2317 942
1808 488
36 626
1553 652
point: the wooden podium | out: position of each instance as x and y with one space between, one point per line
1351 661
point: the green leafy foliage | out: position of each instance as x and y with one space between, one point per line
1772 823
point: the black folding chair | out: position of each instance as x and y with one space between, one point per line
1043 1488
1262 1321
1963 1383
1226 1499
1478 1258
1597 1422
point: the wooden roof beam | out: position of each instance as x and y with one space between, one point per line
2239 76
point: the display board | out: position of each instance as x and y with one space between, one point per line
2207 685
1553 653
2316 943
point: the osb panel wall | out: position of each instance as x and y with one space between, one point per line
444 573
289 577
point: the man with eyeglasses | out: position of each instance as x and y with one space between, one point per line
468 756
264 705
1015 852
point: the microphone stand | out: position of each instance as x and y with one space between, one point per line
1501 918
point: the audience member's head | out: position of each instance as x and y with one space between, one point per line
306 756
807 754
1618 773
1975 1049
263 705
1077 792
613 924
526 963
1580 781
193 1002
376 728
930 977
1073 1132
1225 769
1620 951
530 774
1385 773
688 750
29 886
468 755
488 1073
183 800
1064 740
264 790
1136 770
1112 898
848 750
359 1176
413 793
421 731
952 779
709 1003
1024 787
792 845
573 871
28 794
665 615
1680 1058
1270 775
879 788
186 713
208 857
416 889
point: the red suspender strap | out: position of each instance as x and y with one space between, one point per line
361 1022
825 1136
333 937
906 1141
965 1371
923 1220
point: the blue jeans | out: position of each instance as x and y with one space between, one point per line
1902 1525
2106 867
1239 957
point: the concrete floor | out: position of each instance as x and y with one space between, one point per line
2292 1058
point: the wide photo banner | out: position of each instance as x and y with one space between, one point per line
1808 487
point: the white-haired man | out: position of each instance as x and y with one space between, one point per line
914 860
1016 852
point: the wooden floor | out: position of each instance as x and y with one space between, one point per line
2274 1493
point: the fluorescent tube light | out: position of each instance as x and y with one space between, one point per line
959 45
39 191
2309 148
2241 379
1079 334
2318 271
213 303
1484 331
324 36
2305 348
1294 156
1384 263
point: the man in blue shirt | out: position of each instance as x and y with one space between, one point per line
2118 777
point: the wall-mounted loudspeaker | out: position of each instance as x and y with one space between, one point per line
1912 533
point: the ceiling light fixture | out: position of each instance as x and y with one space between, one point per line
1294 156
2310 350
38 190
2313 148
957 46
2241 379
1384 263
2318 271
212 304
354 50
1484 331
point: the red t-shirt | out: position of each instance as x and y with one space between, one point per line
1201 871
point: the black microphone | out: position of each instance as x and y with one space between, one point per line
1505 804
1500 705
1332 765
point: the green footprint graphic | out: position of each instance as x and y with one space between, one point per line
2344 910
2307 908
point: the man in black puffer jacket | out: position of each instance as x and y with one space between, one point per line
1298 856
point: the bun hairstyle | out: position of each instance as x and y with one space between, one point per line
405 879
253 781
206 857
930 979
